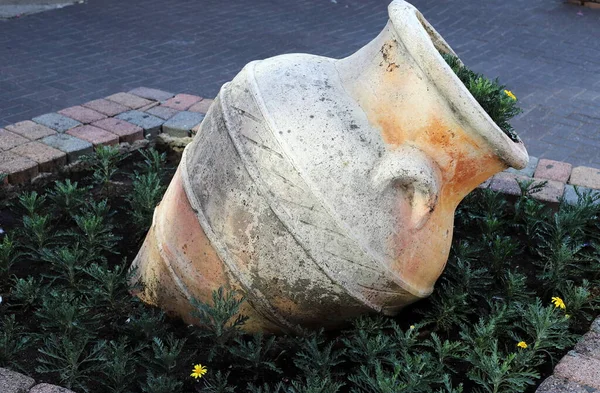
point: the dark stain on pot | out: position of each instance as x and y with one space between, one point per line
386 50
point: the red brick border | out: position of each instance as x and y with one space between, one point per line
28 148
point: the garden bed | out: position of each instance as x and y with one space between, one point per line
521 285
496 322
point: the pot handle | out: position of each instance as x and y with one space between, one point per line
408 167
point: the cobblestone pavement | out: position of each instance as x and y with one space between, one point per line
546 51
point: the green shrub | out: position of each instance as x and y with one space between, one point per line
147 193
161 384
12 341
500 104
494 323
68 197
9 254
104 164
119 366
221 321
27 292
165 355
31 202
74 359
148 188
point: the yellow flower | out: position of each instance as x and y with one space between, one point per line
412 327
510 94
558 302
567 316
198 371
522 344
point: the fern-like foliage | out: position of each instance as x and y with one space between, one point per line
119 368
490 94
74 359
12 340
161 384
67 197
147 193
317 357
221 320
9 254
495 372
165 355
257 355
217 383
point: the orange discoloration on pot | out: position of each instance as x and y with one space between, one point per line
177 262
464 161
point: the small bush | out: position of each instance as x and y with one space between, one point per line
521 284
500 104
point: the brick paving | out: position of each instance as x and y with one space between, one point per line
578 371
553 170
546 51
31 147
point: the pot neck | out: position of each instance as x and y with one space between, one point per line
366 61
378 73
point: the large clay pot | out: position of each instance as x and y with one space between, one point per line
325 189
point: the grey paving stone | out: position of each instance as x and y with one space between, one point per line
151 94
579 368
151 124
506 183
595 325
12 382
589 345
182 123
554 384
529 170
74 147
163 112
47 388
570 196
56 121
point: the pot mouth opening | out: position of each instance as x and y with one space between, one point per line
425 45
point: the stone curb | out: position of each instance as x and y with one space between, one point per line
558 180
49 142
13 382
579 370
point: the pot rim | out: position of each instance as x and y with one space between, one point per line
422 41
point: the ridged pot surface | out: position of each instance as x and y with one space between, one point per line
325 189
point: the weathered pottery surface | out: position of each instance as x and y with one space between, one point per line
325 189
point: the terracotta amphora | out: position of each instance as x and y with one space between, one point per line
325 189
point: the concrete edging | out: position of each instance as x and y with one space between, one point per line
13 382
579 370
